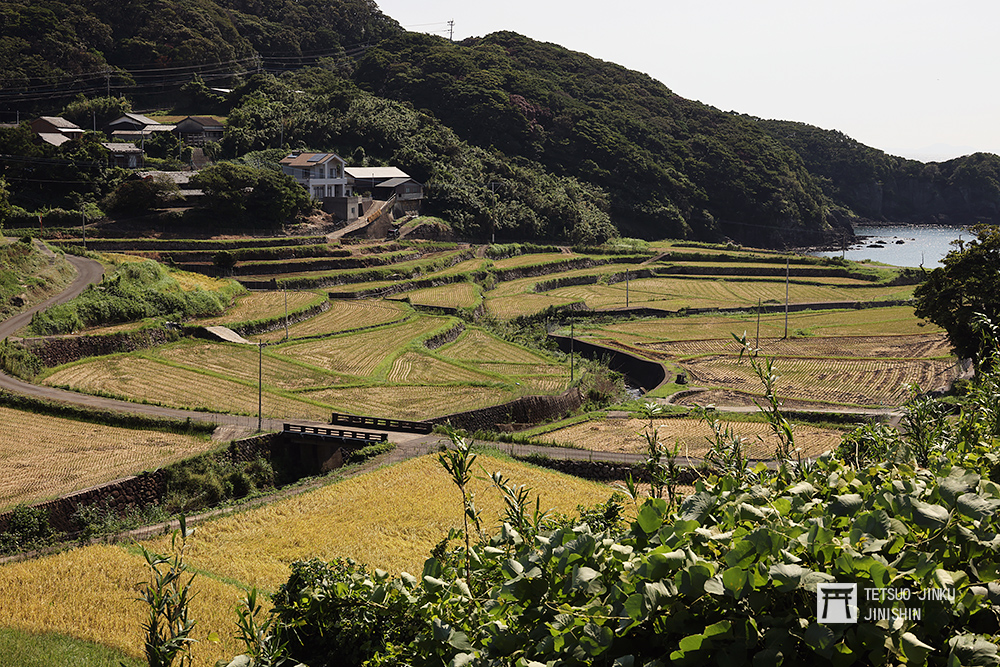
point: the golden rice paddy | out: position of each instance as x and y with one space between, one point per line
343 315
263 305
45 457
390 519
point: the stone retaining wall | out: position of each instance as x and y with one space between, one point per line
54 351
147 488
445 337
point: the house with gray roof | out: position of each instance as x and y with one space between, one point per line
384 183
55 130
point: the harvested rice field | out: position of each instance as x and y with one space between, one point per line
343 315
889 321
476 345
46 457
626 435
363 353
857 382
139 378
416 402
710 292
253 306
455 295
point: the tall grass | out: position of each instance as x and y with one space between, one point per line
134 291
28 649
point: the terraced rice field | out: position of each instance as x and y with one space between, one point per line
45 457
626 435
476 345
704 292
144 379
864 382
925 346
891 321
362 353
410 402
256 546
455 295
90 593
422 368
469 265
509 307
343 315
245 363
527 285
533 259
263 305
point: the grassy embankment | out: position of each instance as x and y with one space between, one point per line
28 277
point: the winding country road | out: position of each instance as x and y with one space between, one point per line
90 272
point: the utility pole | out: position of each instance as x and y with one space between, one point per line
757 344
571 352
260 384
626 288
451 31
786 297
286 311
83 226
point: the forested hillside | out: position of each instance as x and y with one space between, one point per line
511 136
671 166
879 186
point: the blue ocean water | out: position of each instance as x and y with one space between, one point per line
902 245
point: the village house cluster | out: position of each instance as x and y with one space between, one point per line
347 193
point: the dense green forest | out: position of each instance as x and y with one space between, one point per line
511 136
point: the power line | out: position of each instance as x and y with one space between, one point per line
144 77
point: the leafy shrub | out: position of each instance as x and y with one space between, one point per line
102 519
727 576
17 360
27 528
213 478
371 451
326 612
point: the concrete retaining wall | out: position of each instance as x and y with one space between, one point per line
527 410
640 372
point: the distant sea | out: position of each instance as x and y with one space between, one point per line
901 245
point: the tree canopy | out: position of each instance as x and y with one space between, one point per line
247 195
968 284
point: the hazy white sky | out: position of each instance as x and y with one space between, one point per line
911 77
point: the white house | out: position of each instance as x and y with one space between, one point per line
322 174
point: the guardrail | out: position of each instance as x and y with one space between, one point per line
400 425
333 433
